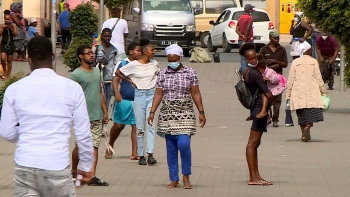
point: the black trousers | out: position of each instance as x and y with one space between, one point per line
66 38
276 108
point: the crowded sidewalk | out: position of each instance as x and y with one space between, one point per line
320 168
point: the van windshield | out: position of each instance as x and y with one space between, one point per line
214 6
167 5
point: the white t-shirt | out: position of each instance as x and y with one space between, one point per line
143 75
118 33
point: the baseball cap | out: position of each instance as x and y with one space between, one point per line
248 7
66 5
32 20
274 33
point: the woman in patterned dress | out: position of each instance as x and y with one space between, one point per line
305 89
176 86
20 41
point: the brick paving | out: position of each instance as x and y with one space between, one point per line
316 169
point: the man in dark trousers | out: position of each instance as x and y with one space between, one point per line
276 58
327 47
64 24
244 30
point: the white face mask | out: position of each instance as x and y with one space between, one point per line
324 37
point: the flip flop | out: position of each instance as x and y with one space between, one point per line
173 185
259 183
108 154
97 182
134 158
188 185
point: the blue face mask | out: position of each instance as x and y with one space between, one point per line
252 65
174 65
296 19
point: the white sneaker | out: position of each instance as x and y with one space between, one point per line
238 74
289 125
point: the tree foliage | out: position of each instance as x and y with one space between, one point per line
331 16
113 3
84 23
12 79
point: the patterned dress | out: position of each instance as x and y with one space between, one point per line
177 115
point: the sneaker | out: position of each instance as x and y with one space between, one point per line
151 160
238 73
63 52
275 123
289 125
330 87
142 161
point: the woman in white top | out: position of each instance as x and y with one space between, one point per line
142 74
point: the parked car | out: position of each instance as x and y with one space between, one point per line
223 32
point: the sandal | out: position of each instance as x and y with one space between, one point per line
173 184
134 158
262 182
187 185
18 60
307 134
109 154
3 78
96 182
267 182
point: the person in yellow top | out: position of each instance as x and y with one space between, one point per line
62 5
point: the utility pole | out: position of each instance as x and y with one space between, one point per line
53 30
342 68
100 7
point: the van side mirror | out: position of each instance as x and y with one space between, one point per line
198 11
211 22
136 10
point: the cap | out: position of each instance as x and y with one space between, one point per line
274 33
248 7
66 5
32 20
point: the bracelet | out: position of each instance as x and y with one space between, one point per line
201 112
152 112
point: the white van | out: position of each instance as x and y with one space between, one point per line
164 22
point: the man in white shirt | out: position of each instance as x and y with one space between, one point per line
37 113
120 31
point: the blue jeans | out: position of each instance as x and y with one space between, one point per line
108 93
243 62
142 106
174 144
313 41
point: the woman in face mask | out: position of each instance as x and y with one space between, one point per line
255 83
177 86
300 31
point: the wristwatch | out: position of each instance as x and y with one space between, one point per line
201 112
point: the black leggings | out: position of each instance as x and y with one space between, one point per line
66 38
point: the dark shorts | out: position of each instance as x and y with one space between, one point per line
258 124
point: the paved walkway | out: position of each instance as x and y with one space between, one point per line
316 169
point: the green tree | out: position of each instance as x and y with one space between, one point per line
84 23
331 16
113 3
12 79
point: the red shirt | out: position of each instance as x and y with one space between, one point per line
328 46
243 22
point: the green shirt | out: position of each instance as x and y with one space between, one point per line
91 84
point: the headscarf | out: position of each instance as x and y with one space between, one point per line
14 7
175 50
300 14
303 47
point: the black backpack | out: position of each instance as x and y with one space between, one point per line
244 95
